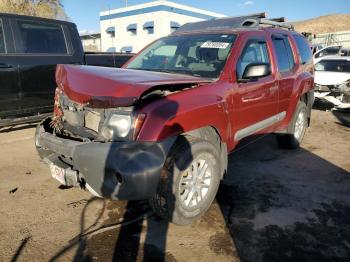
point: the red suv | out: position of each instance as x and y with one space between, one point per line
161 127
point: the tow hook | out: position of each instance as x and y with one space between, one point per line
82 183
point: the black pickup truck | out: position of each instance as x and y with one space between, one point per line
30 49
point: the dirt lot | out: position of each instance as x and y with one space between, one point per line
274 205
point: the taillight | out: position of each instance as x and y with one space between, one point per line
138 124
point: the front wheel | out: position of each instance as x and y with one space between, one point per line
297 128
189 181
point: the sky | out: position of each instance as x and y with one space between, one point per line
85 13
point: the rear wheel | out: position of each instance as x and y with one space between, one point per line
296 129
189 181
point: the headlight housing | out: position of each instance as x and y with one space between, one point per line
122 126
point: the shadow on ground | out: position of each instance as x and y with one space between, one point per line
17 127
286 205
278 205
343 117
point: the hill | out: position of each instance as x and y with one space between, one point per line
324 24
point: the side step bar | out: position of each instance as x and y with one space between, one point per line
23 120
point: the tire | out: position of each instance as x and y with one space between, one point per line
183 194
296 129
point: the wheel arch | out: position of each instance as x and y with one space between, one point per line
211 134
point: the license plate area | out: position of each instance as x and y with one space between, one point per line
58 173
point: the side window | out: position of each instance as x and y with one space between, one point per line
42 38
254 52
2 40
285 59
304 49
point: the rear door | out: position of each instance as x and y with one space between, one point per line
287 70
41 45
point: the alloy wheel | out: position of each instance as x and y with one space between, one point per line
195 182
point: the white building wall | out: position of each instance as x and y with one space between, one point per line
161 19
91 44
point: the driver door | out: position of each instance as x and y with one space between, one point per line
256 100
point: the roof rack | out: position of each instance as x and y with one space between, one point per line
278 19
239 22
277 22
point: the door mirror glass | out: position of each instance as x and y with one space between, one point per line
256 70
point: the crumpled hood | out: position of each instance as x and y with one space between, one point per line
102 86
330 78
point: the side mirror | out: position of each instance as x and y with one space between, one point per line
256 70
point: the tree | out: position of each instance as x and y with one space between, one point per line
42 8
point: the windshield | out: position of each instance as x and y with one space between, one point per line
197 55
342 66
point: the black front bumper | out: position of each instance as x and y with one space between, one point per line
116 170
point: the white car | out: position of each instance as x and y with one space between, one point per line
332 80
333 50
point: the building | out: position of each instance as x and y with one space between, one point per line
91 41
129 29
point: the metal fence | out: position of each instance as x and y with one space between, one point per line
335 38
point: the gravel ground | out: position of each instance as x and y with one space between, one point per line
274 205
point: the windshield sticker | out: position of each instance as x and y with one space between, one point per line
217 45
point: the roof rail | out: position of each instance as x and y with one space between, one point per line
239 22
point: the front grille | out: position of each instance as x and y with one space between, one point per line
81 119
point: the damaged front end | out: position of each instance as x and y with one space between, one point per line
97 148
338 95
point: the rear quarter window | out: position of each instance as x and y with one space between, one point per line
304 49
41 38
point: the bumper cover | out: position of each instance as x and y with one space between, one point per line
116 170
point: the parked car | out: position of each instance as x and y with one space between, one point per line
334 50
161 127
30 49
315 48
345 52
332 80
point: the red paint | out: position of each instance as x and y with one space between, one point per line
112 86
224 104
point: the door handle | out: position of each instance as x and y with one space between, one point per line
253 98
4 66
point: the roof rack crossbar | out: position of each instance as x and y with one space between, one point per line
239 22
278 19
255 15
273 23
